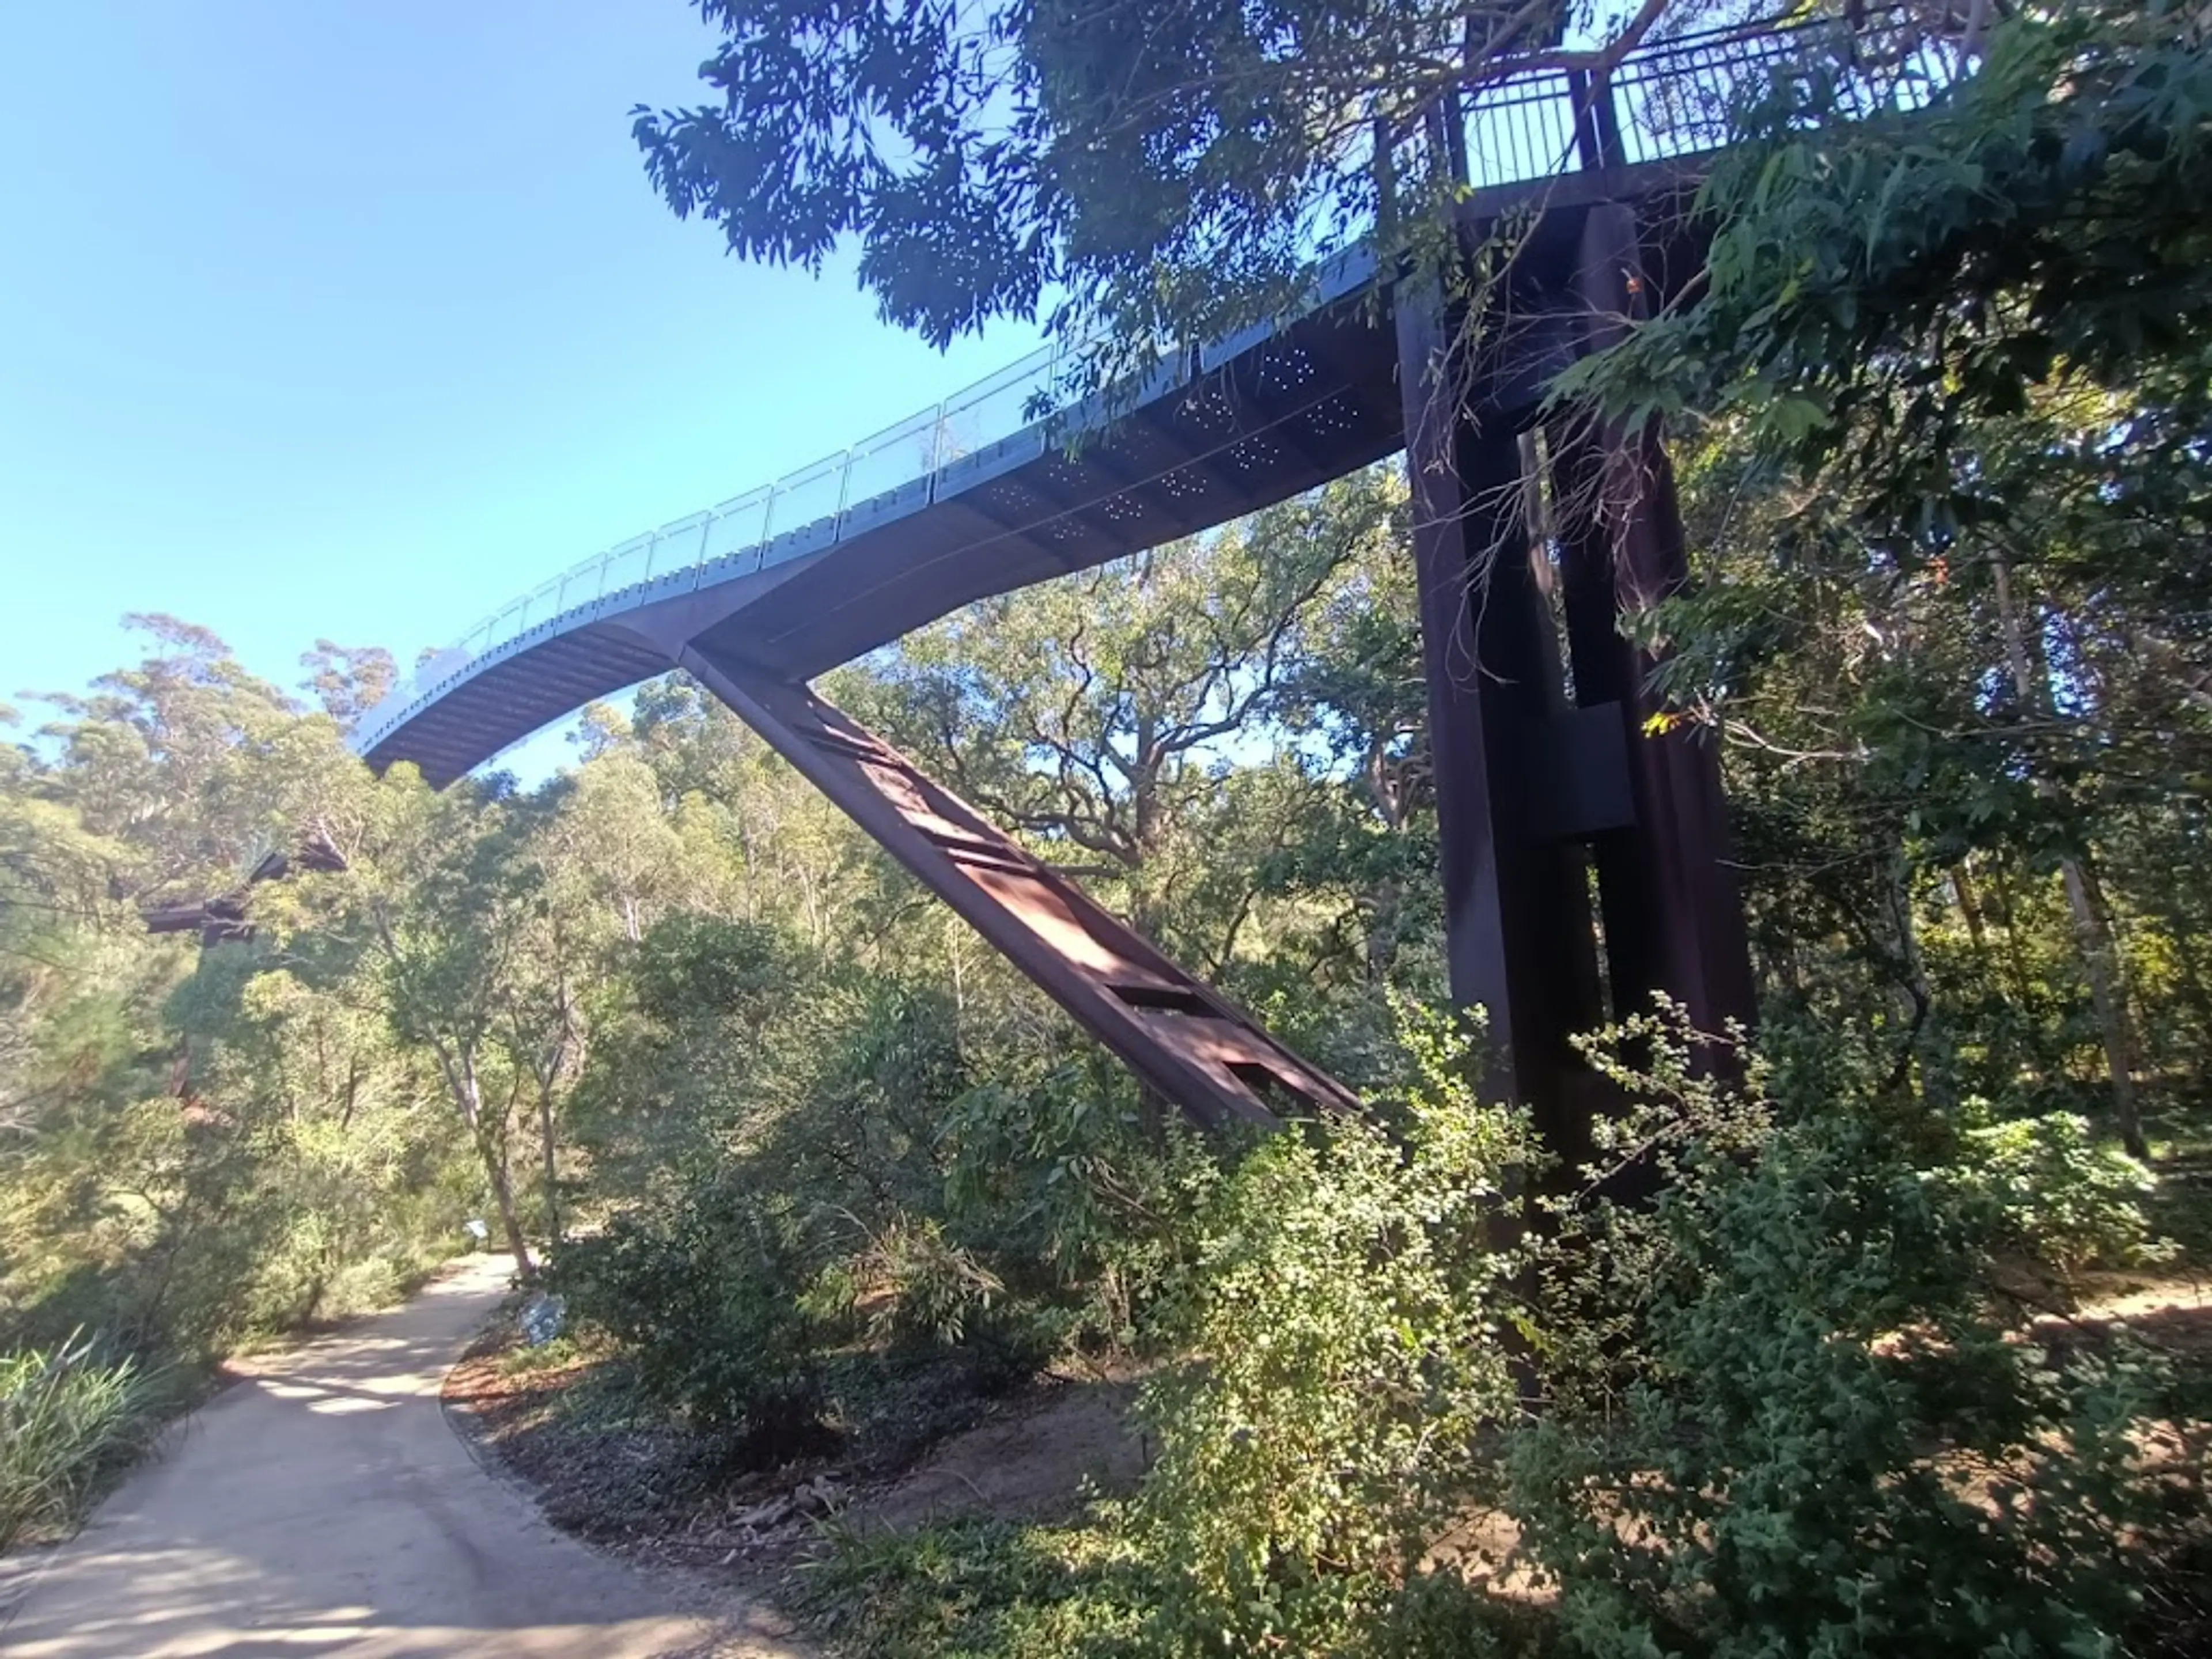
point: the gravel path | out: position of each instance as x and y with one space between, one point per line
322 1507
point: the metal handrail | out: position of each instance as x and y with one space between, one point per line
1666 101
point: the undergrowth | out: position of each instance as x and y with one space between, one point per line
1781 1410
983 1589
71 1421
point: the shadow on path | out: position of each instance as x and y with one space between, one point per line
322 1506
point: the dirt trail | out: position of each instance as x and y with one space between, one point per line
324 1507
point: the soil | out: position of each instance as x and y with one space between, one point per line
1035 1463
616 1477
2172 1313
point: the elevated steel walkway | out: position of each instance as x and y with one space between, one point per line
1013 481
1020 479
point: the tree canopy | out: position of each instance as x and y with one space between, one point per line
1166 172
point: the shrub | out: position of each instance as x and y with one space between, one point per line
70 1421
1081 1204
711 1299
1812 1435
1347 1321
979 1589
2063 1197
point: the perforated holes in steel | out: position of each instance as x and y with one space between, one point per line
1206 407
1183 484
1120 509
1254 453
1285 370
1335 415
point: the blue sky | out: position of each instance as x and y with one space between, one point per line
352 317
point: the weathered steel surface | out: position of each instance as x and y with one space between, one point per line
1179 1035
1673 919
1516 903
1550 764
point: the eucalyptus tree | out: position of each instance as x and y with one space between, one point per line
163 757
348 681
759 843
437 912
1164 172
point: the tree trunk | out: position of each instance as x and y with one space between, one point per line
552 1170
468 1095
1913 980
2092 928
1970 906
502 1192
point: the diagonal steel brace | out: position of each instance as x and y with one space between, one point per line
1186 1039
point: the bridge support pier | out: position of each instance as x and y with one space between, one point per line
1178 1034
1585 849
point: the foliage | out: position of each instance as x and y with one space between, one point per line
1346 1328
2063 1197
1784 1410
711 1302
69 1420
981 1589
1949 431
1809 1429
1171 176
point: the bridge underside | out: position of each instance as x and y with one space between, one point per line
1549 783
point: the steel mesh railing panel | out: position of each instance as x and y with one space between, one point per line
1519 131
1679 99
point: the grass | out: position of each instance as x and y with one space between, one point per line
993 1589
71 1422
976 1590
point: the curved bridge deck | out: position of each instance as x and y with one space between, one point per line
1013 481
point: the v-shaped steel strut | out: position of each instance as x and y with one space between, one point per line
1180 1036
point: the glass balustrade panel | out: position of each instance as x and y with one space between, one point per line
894 458
626 564
996 409
808 497
539 607
737 526
579 585
678 545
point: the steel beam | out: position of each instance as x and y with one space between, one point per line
1674 918
1187 1041
1531 793
1519 932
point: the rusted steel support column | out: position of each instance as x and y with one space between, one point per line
1192 1045
1516 778
1673 918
